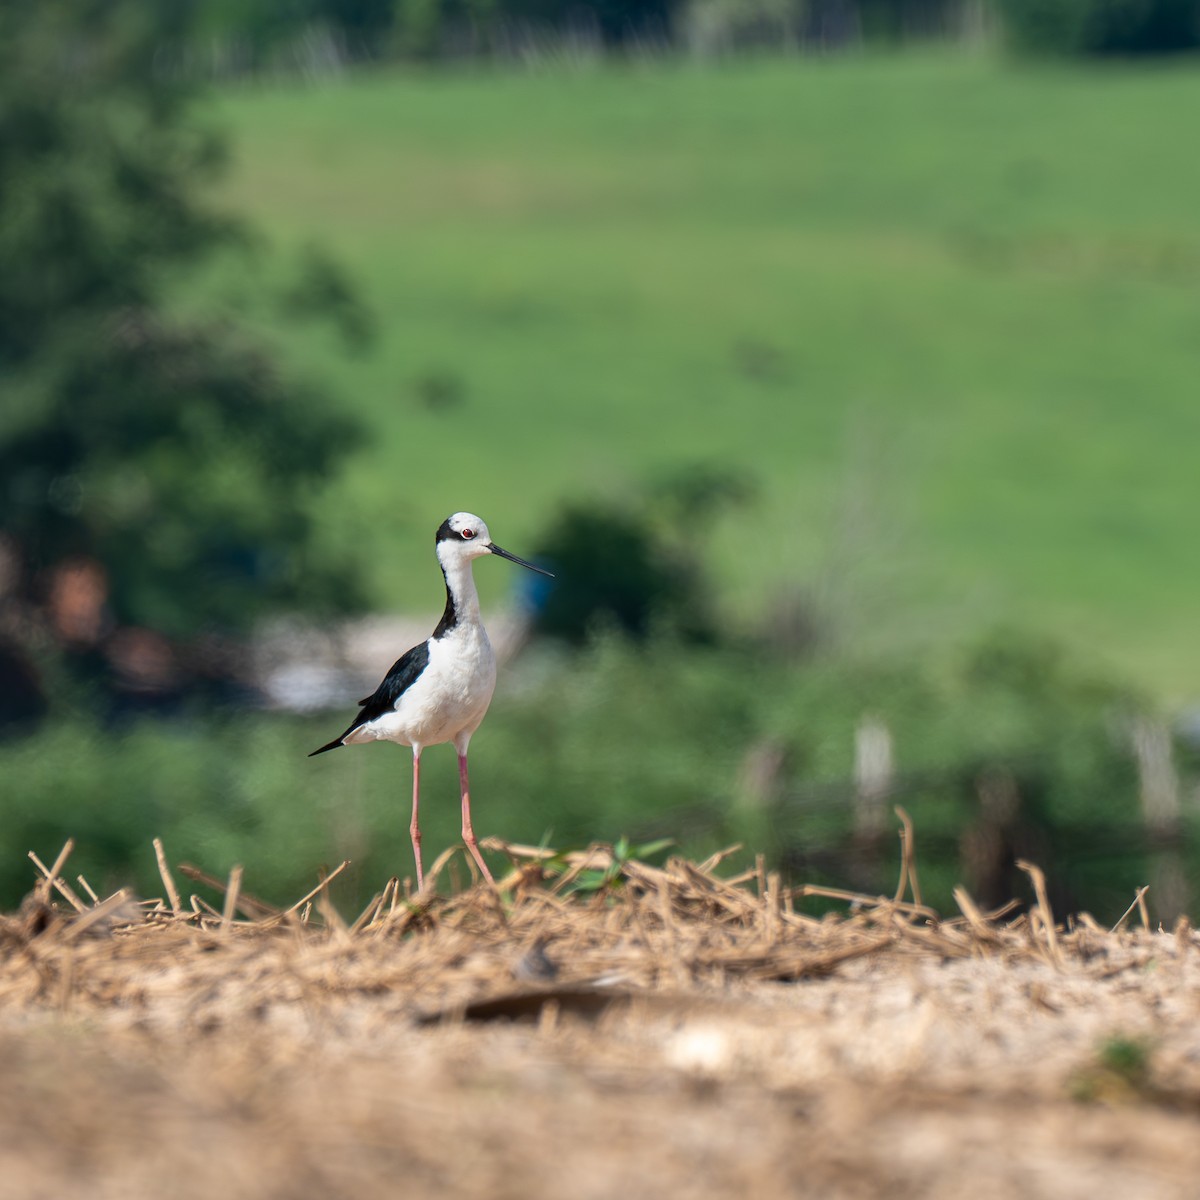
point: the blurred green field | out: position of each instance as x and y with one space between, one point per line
943 309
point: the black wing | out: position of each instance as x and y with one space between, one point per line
404 673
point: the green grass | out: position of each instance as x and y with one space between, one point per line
944 309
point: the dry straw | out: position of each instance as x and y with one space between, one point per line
579 929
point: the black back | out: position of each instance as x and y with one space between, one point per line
406 670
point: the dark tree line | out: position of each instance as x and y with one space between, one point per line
376 29
1092 28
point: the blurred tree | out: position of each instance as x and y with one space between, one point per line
687 500
637 565
1099 27
259 28
154 470
239 36
893 21
433 27
613 570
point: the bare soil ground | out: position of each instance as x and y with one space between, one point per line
674 1033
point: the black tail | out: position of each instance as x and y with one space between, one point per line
337 741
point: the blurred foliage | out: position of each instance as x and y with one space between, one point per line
260 33
1102 27
227 38
711 27
315 34
161 463
635 565
177 458
265 22
611 568
642 740
662 741
324 291
1122 1072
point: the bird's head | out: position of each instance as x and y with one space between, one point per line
464 536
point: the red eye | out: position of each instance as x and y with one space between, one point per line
468 534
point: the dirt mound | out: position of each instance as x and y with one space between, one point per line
596 1024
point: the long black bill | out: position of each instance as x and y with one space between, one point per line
519 561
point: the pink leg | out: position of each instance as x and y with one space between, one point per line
414 829
467 832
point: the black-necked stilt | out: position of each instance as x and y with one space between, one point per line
439 690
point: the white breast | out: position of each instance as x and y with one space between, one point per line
449 697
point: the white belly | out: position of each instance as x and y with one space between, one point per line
448 699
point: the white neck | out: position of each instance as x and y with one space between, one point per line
461 583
